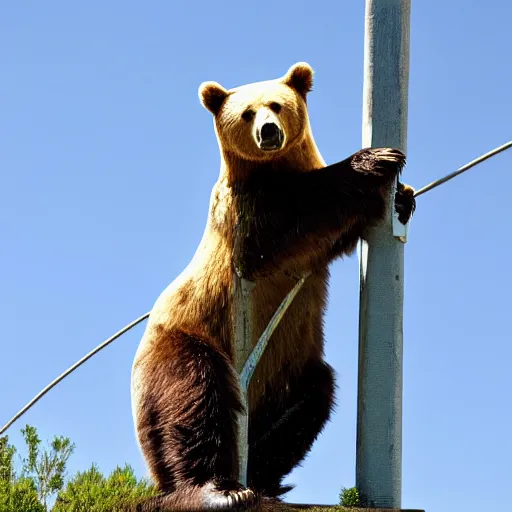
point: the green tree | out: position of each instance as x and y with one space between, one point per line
349 497
42 474
17 493
90 491
46 467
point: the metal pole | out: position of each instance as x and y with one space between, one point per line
381 259
243 331
247 357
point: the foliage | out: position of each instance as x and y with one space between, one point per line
43 474
349 497
46 468
90 491
17 492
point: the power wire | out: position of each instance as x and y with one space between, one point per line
108 341
125 329
464 168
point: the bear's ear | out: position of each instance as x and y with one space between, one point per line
300 78
212 96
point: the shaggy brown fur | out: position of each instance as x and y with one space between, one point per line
276 212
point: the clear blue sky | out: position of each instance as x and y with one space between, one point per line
107 161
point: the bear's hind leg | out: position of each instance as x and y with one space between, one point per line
282 431
186 404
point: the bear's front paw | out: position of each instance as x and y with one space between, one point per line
405 202
228 495
382 163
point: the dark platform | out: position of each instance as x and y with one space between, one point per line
291 507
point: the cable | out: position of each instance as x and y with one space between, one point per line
257 351
464 168
71 369
422 190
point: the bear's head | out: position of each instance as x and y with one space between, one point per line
263 120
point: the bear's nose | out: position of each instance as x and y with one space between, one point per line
270 136
269 131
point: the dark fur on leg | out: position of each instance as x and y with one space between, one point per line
186 423
281 433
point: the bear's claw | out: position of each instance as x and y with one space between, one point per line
405 203
229 496
380 162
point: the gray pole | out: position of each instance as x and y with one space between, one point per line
379 404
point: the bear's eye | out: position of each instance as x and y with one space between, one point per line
275 107
248 115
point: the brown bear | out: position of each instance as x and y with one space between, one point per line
276 212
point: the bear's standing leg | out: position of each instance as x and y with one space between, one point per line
281 432
187 399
